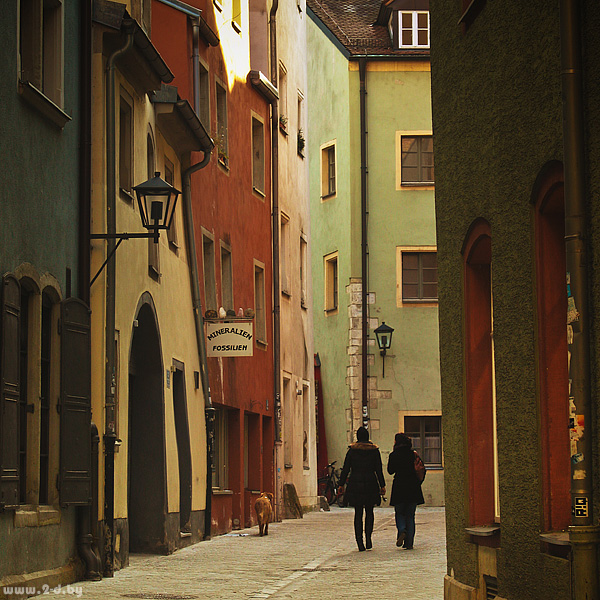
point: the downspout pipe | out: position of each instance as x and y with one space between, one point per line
186 197
194 281
276 259
583 534
109 382
362 69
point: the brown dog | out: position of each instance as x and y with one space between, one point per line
264 510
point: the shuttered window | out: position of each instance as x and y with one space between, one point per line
75 404
10 391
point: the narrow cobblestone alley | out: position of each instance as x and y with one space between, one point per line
310 558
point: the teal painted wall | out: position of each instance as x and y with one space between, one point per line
39 196
396 101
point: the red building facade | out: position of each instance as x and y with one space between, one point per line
208 51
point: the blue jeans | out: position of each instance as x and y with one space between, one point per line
405 522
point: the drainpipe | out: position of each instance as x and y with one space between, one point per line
275 233
109 383
583 534
196 302
85 537
362 69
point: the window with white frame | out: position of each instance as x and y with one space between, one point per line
41 47
283 107
413 29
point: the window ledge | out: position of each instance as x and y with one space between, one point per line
483 531
236 27
328 196
331 311
419 184
286 292
220 492
224 164
43 104
259 192
36 516
262 344
218 5
556 538
126 195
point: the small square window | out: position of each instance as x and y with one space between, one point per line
419 277
426 435
417 160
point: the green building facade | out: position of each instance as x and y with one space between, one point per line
403 393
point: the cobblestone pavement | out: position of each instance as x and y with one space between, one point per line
305 559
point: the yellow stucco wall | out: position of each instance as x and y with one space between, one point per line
171 295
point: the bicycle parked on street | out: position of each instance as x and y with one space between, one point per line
328 485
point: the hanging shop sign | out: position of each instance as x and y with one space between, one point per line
229 339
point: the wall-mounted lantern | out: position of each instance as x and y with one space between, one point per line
384 340
156 200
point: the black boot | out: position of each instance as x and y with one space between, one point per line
361 546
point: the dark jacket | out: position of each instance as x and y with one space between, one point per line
363 464
406 486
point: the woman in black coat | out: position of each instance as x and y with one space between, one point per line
366 484
406 489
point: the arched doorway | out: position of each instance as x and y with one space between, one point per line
146 502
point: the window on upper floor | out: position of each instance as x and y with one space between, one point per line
208 265
283 107
259 303
416 160
204 85
126 145
328 171
222 141
172 235
226 278
153 247
41 46
258 156
419 280
331 283
301 129
284 258
303 272
413 29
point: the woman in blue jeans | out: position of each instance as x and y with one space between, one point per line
406 489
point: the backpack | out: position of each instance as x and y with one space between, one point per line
420 469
